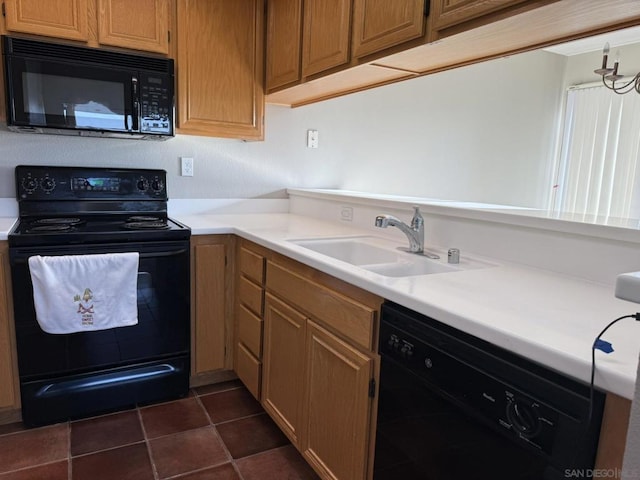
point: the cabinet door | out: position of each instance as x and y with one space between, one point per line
52 18
284 39
447 13
220 68
379 24
283 365
337 406
141 25
8 374
209 298
327 34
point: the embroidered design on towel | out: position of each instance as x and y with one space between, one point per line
84 309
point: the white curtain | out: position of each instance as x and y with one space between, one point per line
598 169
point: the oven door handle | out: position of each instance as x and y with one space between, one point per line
170 253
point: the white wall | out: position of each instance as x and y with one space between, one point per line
481 133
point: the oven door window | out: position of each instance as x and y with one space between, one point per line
162 329
57 95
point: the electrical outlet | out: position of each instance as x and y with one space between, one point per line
186 164
312 138
346 214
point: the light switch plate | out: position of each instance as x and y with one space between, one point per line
628 286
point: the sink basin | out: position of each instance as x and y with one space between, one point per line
350 250
365 253
421 266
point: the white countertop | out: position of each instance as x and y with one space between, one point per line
548 317
6 223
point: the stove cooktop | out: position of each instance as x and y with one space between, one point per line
80 205
79 230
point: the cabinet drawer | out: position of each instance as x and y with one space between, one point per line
250 331
252 265
250 295
249 370
344 315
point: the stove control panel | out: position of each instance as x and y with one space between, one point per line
73 183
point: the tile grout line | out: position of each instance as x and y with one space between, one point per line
69 458
224 445
154 470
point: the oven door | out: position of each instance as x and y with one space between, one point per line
113 360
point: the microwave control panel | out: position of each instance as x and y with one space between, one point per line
156 104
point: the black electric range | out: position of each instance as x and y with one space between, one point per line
89 211
76 205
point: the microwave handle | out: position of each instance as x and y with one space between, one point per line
135 96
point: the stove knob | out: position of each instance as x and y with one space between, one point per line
157 185
143 184
48 184
29 184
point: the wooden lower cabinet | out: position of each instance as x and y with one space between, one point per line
9 396
337 406
308 353
212 321
249 312
318 364
283 365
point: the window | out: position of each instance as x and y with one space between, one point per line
598 171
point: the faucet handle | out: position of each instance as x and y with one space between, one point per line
417 219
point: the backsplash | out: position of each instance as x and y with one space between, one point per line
590 256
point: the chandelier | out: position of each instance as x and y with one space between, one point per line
610 75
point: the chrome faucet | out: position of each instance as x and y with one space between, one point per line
414 232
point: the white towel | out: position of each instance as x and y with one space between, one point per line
78 293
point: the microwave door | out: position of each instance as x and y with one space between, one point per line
62 96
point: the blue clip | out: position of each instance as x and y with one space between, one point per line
603 345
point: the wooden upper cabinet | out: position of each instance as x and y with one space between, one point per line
220 68
447 13
52 18
140 25
327 35
379 24
284 39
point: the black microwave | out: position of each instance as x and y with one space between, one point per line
65 89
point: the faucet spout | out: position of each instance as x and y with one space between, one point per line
414 232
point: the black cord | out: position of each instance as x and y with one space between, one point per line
593 360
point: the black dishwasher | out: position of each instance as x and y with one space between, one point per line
455 407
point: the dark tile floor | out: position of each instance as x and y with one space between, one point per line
218 432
